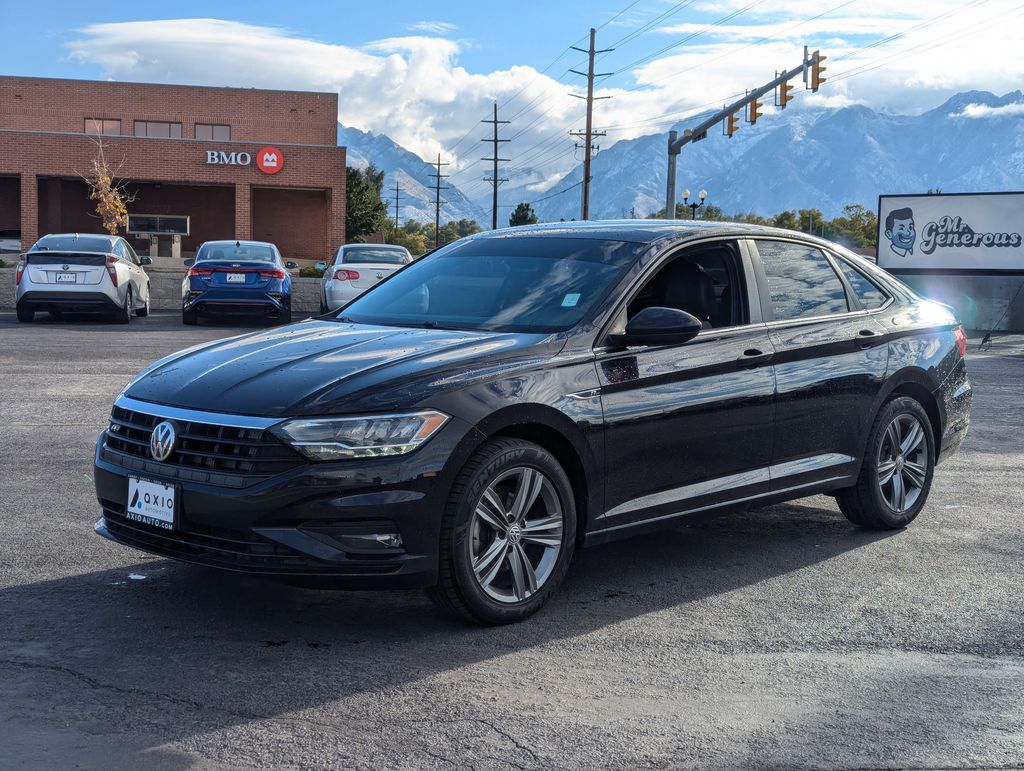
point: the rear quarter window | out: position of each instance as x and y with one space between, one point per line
801 281
869 294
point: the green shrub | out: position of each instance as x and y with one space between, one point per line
310 272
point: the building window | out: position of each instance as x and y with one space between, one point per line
157 128
102 126
213 131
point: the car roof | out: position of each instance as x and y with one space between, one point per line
104 236
644 231
240 241
396 247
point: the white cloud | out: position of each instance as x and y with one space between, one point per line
433 27
414 89
988 111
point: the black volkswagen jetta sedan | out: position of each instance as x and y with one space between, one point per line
470 422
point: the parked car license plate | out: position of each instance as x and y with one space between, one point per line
236 278
151 503
67 278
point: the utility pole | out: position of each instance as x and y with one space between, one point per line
397 196
438 176
589 134
494 179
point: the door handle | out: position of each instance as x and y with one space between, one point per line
867 338
754 357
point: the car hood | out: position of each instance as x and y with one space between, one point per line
324 367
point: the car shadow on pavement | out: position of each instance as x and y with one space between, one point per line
178 651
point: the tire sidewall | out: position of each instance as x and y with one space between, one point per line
899 406
521 454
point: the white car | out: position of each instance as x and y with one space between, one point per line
82 273
356 268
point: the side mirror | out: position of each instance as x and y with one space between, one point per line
321 266
659 326
145 260
291 265
189 263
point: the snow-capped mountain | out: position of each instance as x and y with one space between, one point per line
809 158
413 175
796 158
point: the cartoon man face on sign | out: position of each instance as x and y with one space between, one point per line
899 229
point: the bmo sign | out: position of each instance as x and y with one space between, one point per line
269 160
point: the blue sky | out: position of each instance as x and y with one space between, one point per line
427 73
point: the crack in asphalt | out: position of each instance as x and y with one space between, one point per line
93 682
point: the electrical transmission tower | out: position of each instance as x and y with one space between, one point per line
438 187
494 179
588 134
397 197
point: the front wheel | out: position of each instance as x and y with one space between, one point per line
896 473
144 310
189 316
507 535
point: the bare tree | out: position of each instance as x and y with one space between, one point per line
108 191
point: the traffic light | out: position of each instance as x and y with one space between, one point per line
785 95
816 70
753 111
730 125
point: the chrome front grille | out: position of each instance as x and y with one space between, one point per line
204 451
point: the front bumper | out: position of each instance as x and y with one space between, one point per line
315 520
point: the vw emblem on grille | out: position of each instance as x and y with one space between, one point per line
380 276
161 441
64 267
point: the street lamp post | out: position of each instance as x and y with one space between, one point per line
694 206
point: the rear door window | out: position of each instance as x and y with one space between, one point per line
801 281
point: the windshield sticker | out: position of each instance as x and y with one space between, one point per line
570 300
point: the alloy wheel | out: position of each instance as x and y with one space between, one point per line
902 462
516 534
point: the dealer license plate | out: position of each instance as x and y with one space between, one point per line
151 503
236 278
67 278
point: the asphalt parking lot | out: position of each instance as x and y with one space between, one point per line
775 638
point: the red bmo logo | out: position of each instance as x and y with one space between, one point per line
270 160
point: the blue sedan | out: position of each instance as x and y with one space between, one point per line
237 277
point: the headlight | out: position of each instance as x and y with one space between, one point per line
371 436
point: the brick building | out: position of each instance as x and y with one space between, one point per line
240 163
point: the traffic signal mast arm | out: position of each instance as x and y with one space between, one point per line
811 65
701 129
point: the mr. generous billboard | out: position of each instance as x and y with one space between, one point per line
966 231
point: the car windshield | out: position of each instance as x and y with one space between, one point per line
377 256
236 252
96 244
505 284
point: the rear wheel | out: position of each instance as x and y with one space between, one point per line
25 313
124 315
284 317
896 473
189 316
507 535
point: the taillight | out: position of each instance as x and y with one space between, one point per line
961 341
277 273
18 274
342 274
112 269
194 271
